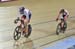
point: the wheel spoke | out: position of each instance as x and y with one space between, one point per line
17 34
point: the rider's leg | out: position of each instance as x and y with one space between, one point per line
26 26
27 21
65 19
62 23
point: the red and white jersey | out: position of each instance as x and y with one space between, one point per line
66 13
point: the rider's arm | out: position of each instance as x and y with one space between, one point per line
26 13
58 17
67 13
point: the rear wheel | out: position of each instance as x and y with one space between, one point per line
29 31
17 34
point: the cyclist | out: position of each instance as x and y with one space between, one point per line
63 15
26 16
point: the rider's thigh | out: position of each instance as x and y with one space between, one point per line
26 21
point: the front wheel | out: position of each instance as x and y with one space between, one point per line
17 34
58 29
